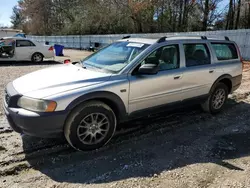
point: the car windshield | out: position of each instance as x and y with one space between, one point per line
114 57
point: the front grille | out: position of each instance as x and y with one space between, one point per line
7 98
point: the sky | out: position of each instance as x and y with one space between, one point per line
7 5
6 11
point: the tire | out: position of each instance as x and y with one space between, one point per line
83 126
37 57
212 104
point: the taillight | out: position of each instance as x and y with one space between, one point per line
51 48
66 61
241 59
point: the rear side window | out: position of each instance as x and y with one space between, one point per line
24 43
196 55
225 51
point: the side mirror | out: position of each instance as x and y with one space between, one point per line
148 69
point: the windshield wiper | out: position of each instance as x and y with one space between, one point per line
83 65
91 66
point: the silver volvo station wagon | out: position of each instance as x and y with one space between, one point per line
133 77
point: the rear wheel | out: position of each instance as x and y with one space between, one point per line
217 99
90 126
37 57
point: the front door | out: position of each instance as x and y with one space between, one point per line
147 91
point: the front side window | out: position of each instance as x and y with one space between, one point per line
167 58
196 55
115 57
225 51
24 43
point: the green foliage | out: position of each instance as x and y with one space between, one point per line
17 19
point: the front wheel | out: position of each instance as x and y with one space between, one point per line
90 126
216 100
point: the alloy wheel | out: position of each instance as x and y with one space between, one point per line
93 128
219 99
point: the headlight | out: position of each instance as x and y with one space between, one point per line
36 105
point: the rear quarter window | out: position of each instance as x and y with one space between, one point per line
225 51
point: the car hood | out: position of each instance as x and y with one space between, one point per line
57 79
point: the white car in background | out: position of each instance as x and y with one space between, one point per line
23 49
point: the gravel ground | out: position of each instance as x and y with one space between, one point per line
185 148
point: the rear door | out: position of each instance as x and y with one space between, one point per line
24 49
200 72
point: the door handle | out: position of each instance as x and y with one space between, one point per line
211 71
177 77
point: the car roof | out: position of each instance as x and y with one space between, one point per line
175 38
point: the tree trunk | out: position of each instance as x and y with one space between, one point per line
174 20
205 18
180 15
158 23
185 16
248 16
162 13
238 15
230 16
170 19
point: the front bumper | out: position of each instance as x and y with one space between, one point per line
45 125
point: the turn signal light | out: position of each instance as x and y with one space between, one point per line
51 106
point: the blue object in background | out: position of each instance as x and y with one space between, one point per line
59 49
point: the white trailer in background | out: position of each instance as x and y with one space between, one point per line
9 32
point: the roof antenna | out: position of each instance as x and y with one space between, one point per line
162 39
226 38
126 37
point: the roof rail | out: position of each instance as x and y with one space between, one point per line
162 39
227 38
202 37
126 37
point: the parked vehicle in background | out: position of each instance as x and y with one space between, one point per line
22 49
127 79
